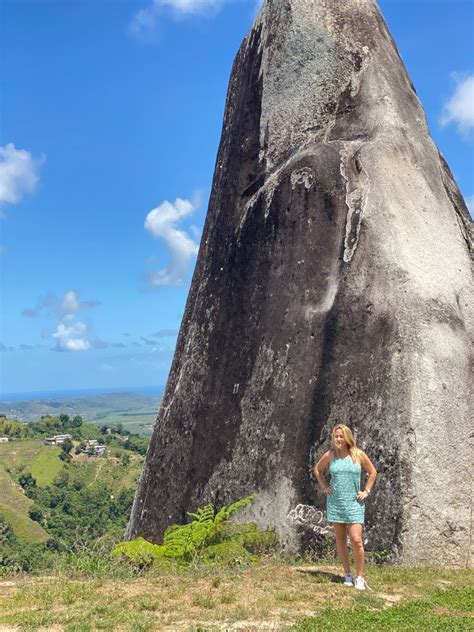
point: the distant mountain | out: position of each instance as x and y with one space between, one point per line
130 409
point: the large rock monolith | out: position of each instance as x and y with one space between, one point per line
333 284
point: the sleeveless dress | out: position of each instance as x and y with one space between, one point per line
342 504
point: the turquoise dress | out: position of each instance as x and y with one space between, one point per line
342 504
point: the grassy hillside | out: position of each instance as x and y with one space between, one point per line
110 471
44 464
14 507
42 461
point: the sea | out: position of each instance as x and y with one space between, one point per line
83 392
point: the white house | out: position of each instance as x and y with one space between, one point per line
57 439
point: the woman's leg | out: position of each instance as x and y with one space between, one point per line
355 534
341 545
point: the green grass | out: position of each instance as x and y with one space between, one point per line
135 423
14 507
46 465
415 615
273 596
43 462
107 470
40 459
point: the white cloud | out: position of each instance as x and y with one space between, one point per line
460 107
71 305
71 335
18 173
190 7
50 304
162 222
144 23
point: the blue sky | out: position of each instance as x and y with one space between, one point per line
111 114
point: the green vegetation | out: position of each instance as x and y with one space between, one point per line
271 595
56 499
135 411
41 460
209 538
14 510
416 615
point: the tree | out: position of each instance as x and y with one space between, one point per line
76 421
64 419
67 446
35 513
27 481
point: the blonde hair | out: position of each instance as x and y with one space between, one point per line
349 439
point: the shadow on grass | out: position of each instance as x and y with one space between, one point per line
322 576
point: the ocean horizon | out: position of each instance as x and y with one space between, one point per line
83 392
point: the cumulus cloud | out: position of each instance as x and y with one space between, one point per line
18 173
144 23
459 109
49 304
71 335
71 305
162 222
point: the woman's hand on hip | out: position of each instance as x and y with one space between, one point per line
362 495
327 490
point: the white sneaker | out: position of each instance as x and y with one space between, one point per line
348 580
360 583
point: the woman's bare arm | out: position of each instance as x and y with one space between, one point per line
318 470
369 467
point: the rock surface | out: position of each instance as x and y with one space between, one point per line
333 284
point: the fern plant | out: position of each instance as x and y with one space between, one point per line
183 542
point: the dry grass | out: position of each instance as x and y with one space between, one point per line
268 597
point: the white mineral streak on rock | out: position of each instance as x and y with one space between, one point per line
304 176
268 201
268 188
357 191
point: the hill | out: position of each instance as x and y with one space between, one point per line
134 411
50 492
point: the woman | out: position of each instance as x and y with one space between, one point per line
345 500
